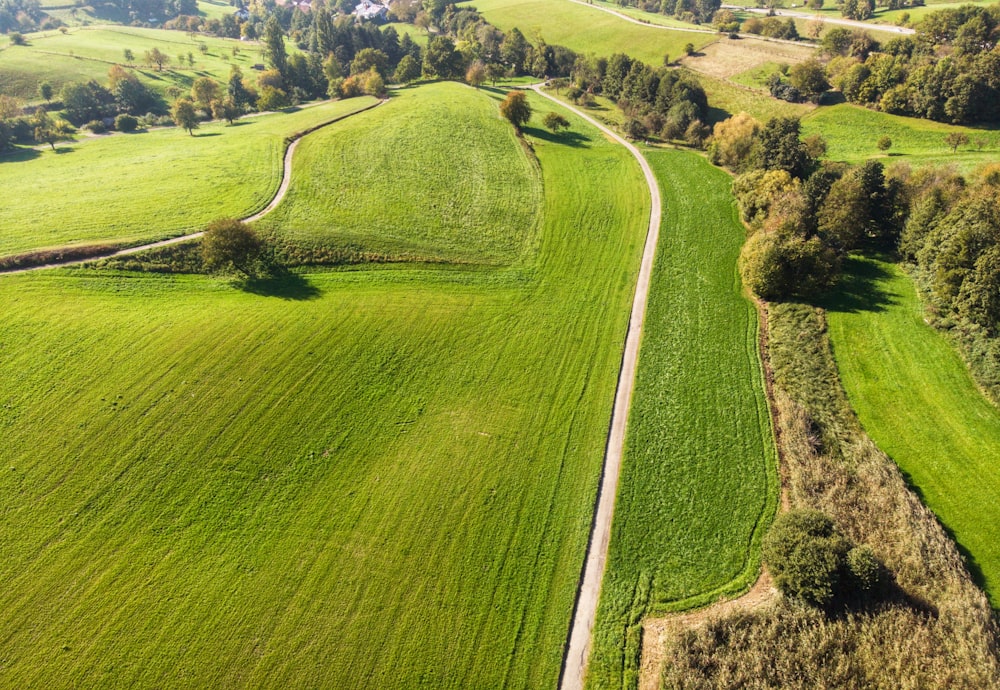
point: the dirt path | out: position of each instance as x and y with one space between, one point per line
286 179
642 23
585 610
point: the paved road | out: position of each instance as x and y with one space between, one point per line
585 611
286 178
828 20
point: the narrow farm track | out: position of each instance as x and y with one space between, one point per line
585 609
279 195
641 23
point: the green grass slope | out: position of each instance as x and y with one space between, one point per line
852 132
125 189
348 186
917 401
365 478
699 478
87 53
587 30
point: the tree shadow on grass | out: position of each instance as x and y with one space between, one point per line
567 137
208 134
283 285
19 155
859 289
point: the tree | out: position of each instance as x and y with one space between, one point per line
516 109
158 58
185 115
370 58
555 122
126 123
781 149
884 143
689 49
956 139
274 45
48 130
733 140
271 98
441 59
806 556
45 91
232 245
204 91
17 39
129 56
476 74
809 77
407 70
236 91
226 109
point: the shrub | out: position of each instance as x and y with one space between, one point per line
806 556
17 39
232 245
865 570
96 126
126 123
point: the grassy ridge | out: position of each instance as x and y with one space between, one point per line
587 30
852 132
349 188
916 399
88 52
699 477
385 479
149 185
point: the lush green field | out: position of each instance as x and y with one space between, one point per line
385 479
726 99
348 188
917 401
699 478
586 30
150 185
851 133
88 52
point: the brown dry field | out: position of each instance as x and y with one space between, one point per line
726 58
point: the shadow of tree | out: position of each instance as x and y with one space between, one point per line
567 137
860 288
282 284
19 155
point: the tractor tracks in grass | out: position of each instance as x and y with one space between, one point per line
574 664
81 255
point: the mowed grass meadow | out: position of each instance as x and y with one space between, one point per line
348 186
852 134
387 481
918 402
148 185
699 478
588 30
86 53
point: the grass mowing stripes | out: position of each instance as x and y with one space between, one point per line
917 401
388 484
587 30
479 206
149 185
699 479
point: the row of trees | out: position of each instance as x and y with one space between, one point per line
949 71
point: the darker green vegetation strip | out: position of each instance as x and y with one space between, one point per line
699 477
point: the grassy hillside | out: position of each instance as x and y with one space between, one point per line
88 52
587 30
385 479
916 399
129 188
699 479
851 133
350 188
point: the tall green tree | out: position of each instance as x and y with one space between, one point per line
274 45
185 115
516 109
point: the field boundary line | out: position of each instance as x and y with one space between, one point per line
279 195
574 666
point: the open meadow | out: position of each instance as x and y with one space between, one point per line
699 477
148 185
852 132
918 402
587 30
348 188
86 53
369 477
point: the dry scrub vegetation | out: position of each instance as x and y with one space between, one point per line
933 628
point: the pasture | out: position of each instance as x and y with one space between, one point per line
918 402
479 206
726 98
699 477
369 477
852 132
86 53
586 30
146 186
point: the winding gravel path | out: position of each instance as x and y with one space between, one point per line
286 179
585 611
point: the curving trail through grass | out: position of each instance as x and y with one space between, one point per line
918 402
